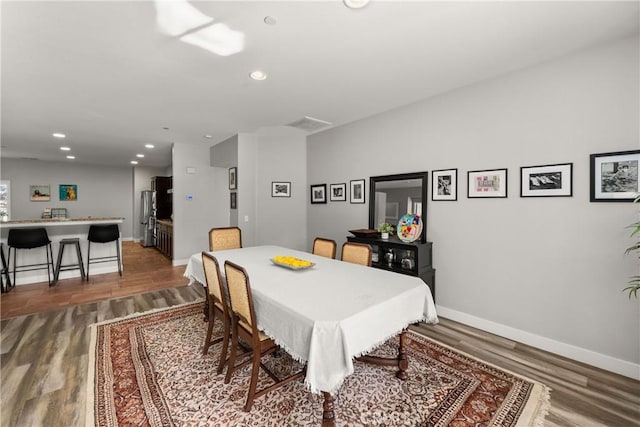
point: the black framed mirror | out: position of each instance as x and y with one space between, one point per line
392 196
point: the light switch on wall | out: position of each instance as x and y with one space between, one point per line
246 218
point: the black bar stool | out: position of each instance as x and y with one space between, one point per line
5 278
30 238
80 265
104 234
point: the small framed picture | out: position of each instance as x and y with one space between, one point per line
614 176
280 189
357 191
319 193
233 200
233 178
487 184
40 193
444 184
547 180
338 192
68 192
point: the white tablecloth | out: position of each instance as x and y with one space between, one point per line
328 314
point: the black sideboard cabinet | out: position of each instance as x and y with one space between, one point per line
411 258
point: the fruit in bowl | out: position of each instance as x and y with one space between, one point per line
292 261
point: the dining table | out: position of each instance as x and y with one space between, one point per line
328 314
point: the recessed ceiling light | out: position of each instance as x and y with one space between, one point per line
59 135
65 148
208 136
356 4
134 162
165 128
71 157
140 155
258 75
149 145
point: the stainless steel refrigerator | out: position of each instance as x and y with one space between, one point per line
148 218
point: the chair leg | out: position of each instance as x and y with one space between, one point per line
232 357
56 272
225 345
119 262
207 338
88 258
15 256
255 369
80 262
49 261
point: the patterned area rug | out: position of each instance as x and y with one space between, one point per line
148 370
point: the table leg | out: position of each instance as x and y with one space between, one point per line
403 361
328 416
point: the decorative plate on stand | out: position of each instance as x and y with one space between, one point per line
409 227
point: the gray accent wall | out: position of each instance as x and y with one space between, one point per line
103 191
545 271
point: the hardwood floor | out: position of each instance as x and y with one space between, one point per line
144 270
45 343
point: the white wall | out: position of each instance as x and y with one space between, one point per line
192 219
103 191
547 271
282 221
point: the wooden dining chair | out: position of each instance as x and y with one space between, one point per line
324 247
244 326
356 253
217 305
222 238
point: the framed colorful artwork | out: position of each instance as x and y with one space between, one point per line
68 192
487 184
39 192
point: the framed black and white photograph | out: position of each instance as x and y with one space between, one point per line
233 200
338 192
280 189
614 176
357 191
319 193
233 178
547 180
485 184
444 184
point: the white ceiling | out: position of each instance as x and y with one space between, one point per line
104 74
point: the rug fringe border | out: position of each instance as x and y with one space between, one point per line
539 403
89 409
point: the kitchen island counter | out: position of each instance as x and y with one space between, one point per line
58 229
53 222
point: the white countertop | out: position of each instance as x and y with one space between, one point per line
55 222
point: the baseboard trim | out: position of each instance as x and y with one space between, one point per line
178 262
599 360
